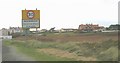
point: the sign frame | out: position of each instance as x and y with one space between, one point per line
36 16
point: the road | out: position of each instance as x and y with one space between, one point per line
0 50
9 53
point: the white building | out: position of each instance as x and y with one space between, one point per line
15 30
6 37
4 34
68 30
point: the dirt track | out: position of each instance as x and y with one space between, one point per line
9 53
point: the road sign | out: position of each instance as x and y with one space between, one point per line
30 18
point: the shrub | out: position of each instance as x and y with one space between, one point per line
14 35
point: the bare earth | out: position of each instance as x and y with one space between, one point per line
9 53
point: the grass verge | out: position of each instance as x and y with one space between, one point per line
102 51
39 56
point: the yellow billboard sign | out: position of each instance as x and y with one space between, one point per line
30 14
30 18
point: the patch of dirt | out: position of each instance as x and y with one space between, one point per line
10 53
65 54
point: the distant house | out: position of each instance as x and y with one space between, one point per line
43 30
68 30
90 27
15 30
4 32
114 27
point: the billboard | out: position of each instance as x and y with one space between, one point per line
31 18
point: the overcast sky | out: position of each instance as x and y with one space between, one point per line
60 13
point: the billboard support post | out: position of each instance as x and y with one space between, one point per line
36 30
26 31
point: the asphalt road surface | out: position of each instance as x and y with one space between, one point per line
9 53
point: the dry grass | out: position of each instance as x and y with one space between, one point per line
65 54
94 37
84 47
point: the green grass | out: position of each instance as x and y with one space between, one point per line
109 54
103 51
30 51
40 56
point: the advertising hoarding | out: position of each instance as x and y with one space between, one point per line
30 18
